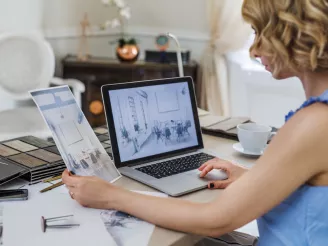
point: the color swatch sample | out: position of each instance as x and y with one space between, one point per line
101 130
105 145
53 149
40 158
109 152
40 143
19 145
27 160
45 155
6 151
102 138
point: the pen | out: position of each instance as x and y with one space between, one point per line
52 187
55 185
52 179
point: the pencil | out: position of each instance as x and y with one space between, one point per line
52 179
52 187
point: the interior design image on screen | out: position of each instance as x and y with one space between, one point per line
80 148
151 120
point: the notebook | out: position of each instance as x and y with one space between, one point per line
221 126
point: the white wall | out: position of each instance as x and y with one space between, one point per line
156 14
18 15
59 21
253 92
256 94
149 18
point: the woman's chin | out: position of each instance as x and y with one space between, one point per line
280 76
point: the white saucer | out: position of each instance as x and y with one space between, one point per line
240 149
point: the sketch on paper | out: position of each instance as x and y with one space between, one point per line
76 141
153 120
125 229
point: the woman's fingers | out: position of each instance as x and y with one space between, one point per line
70 180
207 163
214 164
219 184
71 194
72 191
206 170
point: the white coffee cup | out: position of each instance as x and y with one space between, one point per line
254 137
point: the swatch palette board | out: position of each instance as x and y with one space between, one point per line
103 136
41 158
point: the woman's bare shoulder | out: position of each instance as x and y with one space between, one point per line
306 133
314 124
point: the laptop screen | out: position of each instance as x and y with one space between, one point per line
153 120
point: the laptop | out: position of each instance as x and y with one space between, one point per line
155 134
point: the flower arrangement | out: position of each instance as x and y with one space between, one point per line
127 49
124 13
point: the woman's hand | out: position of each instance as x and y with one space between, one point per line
89 191
233 172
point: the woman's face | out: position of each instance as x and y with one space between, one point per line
284 74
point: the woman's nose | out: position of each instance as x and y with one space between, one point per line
255 54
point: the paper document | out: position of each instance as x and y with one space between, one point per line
202 112
128 230
76 141
208 120
22 222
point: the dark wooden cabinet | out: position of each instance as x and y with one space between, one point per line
97 71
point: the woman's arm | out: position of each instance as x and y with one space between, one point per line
296 154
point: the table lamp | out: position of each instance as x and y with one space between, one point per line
178 51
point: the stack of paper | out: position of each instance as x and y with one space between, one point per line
220 126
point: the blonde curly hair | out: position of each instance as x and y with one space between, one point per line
291 33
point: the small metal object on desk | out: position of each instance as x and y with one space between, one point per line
45 225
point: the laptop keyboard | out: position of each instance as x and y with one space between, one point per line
176 166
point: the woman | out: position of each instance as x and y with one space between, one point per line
287 189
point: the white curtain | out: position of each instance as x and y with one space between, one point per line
228 32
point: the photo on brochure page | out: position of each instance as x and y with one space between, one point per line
76 141
119 225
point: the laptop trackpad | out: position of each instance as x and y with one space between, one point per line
186 182
211 176
179 184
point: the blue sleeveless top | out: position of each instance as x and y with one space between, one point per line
302 219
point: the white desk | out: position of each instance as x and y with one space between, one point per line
164 237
